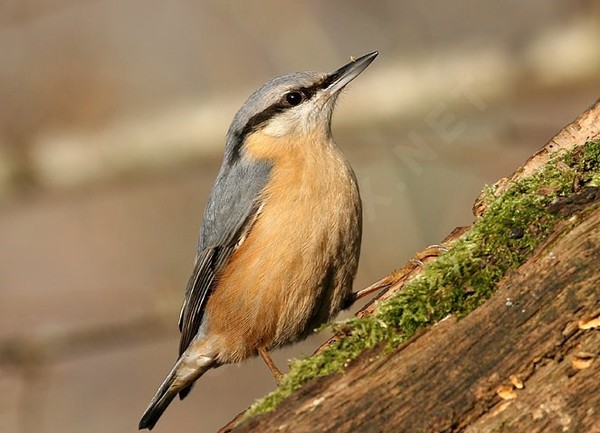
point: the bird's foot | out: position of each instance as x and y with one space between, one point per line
264 354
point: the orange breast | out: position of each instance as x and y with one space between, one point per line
295 268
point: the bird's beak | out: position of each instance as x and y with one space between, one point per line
338 79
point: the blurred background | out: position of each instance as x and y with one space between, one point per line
112 119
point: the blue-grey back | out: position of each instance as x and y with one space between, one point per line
235 194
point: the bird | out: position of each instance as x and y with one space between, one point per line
280 237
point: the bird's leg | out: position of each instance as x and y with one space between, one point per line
401 274
371 289
267 358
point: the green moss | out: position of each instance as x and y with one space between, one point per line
461 279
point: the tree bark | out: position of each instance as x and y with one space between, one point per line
524 361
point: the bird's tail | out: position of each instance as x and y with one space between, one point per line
187 369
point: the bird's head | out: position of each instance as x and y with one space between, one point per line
296 104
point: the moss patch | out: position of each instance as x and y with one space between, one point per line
513 225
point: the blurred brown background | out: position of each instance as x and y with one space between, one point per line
112 118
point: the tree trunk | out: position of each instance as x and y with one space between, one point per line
524 361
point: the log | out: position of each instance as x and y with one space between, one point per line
526 360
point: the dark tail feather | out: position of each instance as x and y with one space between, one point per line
180 379
158 405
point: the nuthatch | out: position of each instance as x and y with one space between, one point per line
280 238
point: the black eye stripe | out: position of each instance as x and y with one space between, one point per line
309 92
261 118
256 121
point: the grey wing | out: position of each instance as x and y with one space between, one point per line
231 210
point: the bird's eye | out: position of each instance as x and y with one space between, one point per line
293 98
